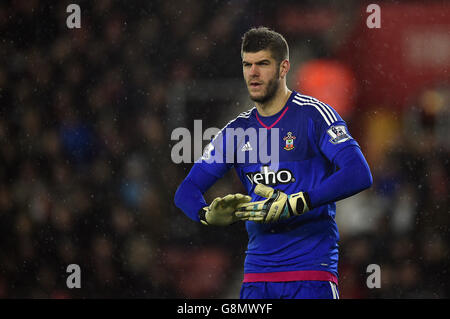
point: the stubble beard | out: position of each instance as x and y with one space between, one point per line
272 88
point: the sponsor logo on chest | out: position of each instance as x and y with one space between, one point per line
267 177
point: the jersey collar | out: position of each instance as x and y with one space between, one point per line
276 117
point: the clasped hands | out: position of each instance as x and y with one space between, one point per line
235 207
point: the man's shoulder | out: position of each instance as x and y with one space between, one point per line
314 108
241 119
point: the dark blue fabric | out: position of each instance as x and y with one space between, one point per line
189 195
351 164
288 290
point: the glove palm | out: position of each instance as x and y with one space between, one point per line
221 211
277 206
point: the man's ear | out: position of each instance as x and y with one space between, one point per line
284 68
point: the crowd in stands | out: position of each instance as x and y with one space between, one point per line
86 176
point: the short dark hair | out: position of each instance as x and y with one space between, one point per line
262 38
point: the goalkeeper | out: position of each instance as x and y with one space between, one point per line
290 207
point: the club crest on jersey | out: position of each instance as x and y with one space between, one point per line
338 134
289 139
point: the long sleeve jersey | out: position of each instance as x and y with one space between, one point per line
305 147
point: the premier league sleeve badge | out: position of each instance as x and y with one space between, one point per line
338 134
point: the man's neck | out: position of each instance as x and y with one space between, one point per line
274 105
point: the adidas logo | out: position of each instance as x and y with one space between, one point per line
246 147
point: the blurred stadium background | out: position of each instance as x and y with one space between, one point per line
86 175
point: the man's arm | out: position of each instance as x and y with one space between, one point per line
189 195
353 176
338 146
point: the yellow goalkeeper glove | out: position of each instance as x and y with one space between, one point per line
277 206
221 211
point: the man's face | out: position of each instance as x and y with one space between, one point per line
261 74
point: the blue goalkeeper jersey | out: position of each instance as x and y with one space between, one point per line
307 135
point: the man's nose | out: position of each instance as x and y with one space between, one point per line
254 70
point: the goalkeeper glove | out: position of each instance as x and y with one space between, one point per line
221 211
277 206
